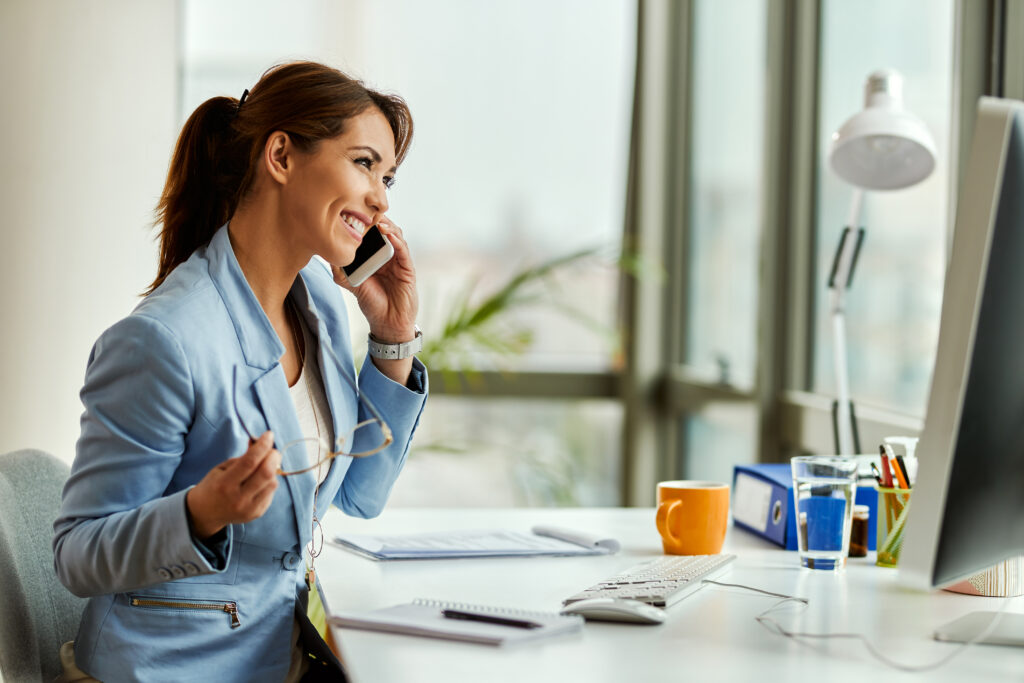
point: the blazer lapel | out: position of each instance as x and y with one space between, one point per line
271 391
341 399
262 351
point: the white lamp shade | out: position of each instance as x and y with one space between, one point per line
883 147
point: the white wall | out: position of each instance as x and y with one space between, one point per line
88 107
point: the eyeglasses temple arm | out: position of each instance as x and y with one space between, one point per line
384 427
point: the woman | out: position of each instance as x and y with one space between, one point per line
176 520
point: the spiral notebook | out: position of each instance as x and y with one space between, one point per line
427 618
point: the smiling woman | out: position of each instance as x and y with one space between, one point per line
235 373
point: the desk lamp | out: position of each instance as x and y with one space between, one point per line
882 147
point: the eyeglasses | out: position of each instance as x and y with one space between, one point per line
374 430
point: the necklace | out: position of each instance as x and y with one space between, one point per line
299 338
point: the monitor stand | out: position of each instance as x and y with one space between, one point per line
1009 630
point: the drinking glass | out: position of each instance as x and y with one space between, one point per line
824 488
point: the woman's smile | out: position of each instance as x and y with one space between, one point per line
356 225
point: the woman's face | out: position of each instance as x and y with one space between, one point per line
340 190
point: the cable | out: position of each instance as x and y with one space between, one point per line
785 598
775 627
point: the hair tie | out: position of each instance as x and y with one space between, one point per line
241 101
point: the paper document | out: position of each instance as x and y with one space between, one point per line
477 543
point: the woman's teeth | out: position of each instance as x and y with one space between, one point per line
357 224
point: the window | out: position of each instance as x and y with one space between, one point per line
523 114
724 226
725 186
767 85
519 157
511 452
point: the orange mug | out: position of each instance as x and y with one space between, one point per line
692 516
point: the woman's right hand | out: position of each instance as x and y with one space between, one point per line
236 491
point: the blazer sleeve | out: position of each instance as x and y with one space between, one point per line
368 481
118 528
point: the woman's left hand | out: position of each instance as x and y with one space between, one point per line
388 298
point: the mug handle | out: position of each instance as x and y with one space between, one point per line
665 510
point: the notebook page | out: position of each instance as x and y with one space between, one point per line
425 618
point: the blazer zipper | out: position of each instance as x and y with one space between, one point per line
230 607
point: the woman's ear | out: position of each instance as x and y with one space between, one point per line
278 156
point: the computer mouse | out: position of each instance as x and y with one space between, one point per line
616 609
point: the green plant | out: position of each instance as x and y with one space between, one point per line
480 328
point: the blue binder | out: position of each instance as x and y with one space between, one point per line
762 503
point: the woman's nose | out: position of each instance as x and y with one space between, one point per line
378 198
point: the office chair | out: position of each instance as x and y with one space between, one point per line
37 614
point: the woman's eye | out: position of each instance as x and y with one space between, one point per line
389 181
365 161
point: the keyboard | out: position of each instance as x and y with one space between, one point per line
661 582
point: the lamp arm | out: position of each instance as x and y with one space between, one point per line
843 415
844 262
841 276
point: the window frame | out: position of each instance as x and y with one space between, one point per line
656 389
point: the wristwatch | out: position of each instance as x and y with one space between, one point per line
379 349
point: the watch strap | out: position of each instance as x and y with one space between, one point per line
386 351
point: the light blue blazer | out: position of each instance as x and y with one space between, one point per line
158 416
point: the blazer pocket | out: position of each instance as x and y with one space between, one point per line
187 606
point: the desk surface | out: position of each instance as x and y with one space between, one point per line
711 633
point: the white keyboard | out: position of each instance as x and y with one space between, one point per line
661 582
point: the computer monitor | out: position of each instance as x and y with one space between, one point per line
967 509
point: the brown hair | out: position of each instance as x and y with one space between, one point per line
218 151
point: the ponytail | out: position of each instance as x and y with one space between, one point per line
203 179
218 151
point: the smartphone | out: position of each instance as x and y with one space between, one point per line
374 251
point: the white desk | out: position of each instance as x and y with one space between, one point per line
710 634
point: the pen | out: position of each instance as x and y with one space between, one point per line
886 474
878 475
897 473
488 619
903 469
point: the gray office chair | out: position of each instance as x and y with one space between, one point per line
37 614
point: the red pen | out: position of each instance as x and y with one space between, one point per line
886 472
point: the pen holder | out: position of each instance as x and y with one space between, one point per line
892 518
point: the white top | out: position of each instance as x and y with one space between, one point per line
314 415
311 406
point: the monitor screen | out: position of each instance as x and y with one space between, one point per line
967 507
